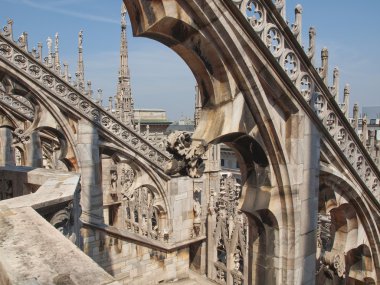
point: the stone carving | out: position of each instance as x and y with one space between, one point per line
6 189
211 203
18 103
65 91
328 260
197 208
265 23
51 155
126 179
230 233
63 220
140 213
113 182
221 276
20 137
18 157
187 158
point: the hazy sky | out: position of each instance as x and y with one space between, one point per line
160 79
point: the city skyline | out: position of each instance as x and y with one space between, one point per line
159 78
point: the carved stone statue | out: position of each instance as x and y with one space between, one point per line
187 158
113 182
80 38
126 180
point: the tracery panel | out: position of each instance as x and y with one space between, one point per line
229 241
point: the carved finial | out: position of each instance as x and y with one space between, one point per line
66 71
100 97
80 39
335 88
8 29
49 44
323 71
371 141
346 100
80 72
355 113
89 89
123 9
40 51
23 41
281 7
110 103
198 106
311 51
57 63
297 26
34 52
364 130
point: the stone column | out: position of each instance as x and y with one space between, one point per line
33 155
307 183
90 169
6 151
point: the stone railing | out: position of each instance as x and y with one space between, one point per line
16 54
31 250
268 21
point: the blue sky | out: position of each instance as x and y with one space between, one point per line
160 79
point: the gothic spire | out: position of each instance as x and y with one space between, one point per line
80 71
124 101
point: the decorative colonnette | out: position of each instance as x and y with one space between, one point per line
274 37
16 53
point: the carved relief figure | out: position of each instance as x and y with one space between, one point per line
197 210
126 179
113 182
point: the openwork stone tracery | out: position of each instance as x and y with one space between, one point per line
229 240
266 25
141 214
343 253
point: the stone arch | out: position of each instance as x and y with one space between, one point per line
157 177
8 119
353 234
182 35
141 176
264 267
254 167
360 266
56 137
44 110
145 213
236 56
19 154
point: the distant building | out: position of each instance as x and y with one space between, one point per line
229 162
155 120
184 125
372 112
372 115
